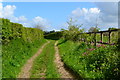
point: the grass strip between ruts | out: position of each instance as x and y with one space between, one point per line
44 66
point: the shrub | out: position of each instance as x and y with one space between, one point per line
90 62
19 44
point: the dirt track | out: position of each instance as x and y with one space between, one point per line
25 71
60 65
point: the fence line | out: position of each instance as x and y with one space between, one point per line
101 36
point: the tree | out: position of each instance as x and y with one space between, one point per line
112 28
38 26
73 31
93 29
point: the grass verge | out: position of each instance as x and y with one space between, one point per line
15 54
90 62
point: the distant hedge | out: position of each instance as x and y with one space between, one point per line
53 36
12 30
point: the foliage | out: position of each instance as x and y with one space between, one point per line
90 62
38 26
0 61
15 31
112 28
53 36
93 29
44 63
118 41
73 31
75 34
19 44
15 54
48 32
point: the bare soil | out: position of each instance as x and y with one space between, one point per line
60 65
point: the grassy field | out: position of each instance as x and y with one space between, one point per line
15 54
44 64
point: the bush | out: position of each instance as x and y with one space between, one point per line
15 31
54 35
19 44
91 62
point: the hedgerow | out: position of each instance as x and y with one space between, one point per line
53 36
18 45
14 30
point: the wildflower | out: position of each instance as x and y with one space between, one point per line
85 53
99 45
113 44
100 41
91 49
103 45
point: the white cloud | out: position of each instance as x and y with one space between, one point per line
8 12
79 12
22 19
85 16
83 12
42 22
105 15
110 8
94 10
109 11
1 7
39 20
109 14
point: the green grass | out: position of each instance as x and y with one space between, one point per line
113 38
15 54
102 62
44 63
0 61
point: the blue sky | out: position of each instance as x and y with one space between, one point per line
56 13
61 0
43 8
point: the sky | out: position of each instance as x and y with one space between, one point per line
54 15
60 0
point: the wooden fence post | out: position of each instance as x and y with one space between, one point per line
94 38
109 36
101 36
90 36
